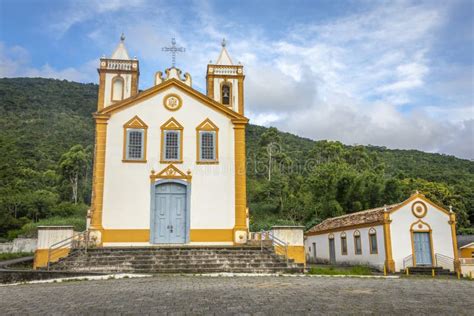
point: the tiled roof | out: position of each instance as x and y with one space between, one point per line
464 240
374 215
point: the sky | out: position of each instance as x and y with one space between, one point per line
398 74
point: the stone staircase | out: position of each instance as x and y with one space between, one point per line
428 271
183 259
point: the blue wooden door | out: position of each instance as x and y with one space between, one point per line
170 214
422 249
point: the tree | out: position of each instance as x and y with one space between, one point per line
73 167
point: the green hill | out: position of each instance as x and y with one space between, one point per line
291 180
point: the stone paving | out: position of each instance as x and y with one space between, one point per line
179 295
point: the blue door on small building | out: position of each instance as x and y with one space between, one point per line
169 222
422 245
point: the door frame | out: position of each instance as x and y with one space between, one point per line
332 241
426 228
187 207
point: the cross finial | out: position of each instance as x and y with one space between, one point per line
223 42
122 37
173 50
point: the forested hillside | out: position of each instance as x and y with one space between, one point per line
46 143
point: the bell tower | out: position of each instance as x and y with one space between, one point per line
118 77
225 81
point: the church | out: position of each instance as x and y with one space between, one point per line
169 163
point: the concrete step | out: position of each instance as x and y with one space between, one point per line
178 260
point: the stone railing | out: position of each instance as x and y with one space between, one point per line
117 64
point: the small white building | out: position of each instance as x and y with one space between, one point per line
415 232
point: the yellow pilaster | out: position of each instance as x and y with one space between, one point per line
240 177
99 170
100 98
210 87
452 222
134 89
241 95
389 263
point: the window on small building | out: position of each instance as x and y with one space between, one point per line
226 94
343 244
172 145
357 243
373 241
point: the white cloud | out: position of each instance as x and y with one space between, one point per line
361 78
16 62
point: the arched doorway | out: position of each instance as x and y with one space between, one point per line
170 212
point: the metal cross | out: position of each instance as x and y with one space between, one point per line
173 50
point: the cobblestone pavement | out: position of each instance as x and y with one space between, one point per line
242 295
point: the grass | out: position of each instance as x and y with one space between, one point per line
356 270
14 255
30 229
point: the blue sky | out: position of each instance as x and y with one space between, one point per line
390 73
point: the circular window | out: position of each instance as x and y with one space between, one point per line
419 209
172 102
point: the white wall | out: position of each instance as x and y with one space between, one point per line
403 218
19 245
50 235
366 258
127 185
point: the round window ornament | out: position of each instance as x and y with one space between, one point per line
172 102
419 209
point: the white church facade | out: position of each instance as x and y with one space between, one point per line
169 163
409 234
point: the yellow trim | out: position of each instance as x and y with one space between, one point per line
170 172
208 126
134 88
240 177
143 235
117 78
452 222
357 235
171 125
125 235
241 95
41 256
98 171
211 235
294 252
423 198
135 123
172 95
389 263
221 99
429 231
182 86
101 94
373 232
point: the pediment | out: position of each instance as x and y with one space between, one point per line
170 172
201 98
207 125
172 123
135 122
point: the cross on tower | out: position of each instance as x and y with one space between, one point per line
173 50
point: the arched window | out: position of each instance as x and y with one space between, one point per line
357 243
117 88
343 243
226 94
373 241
